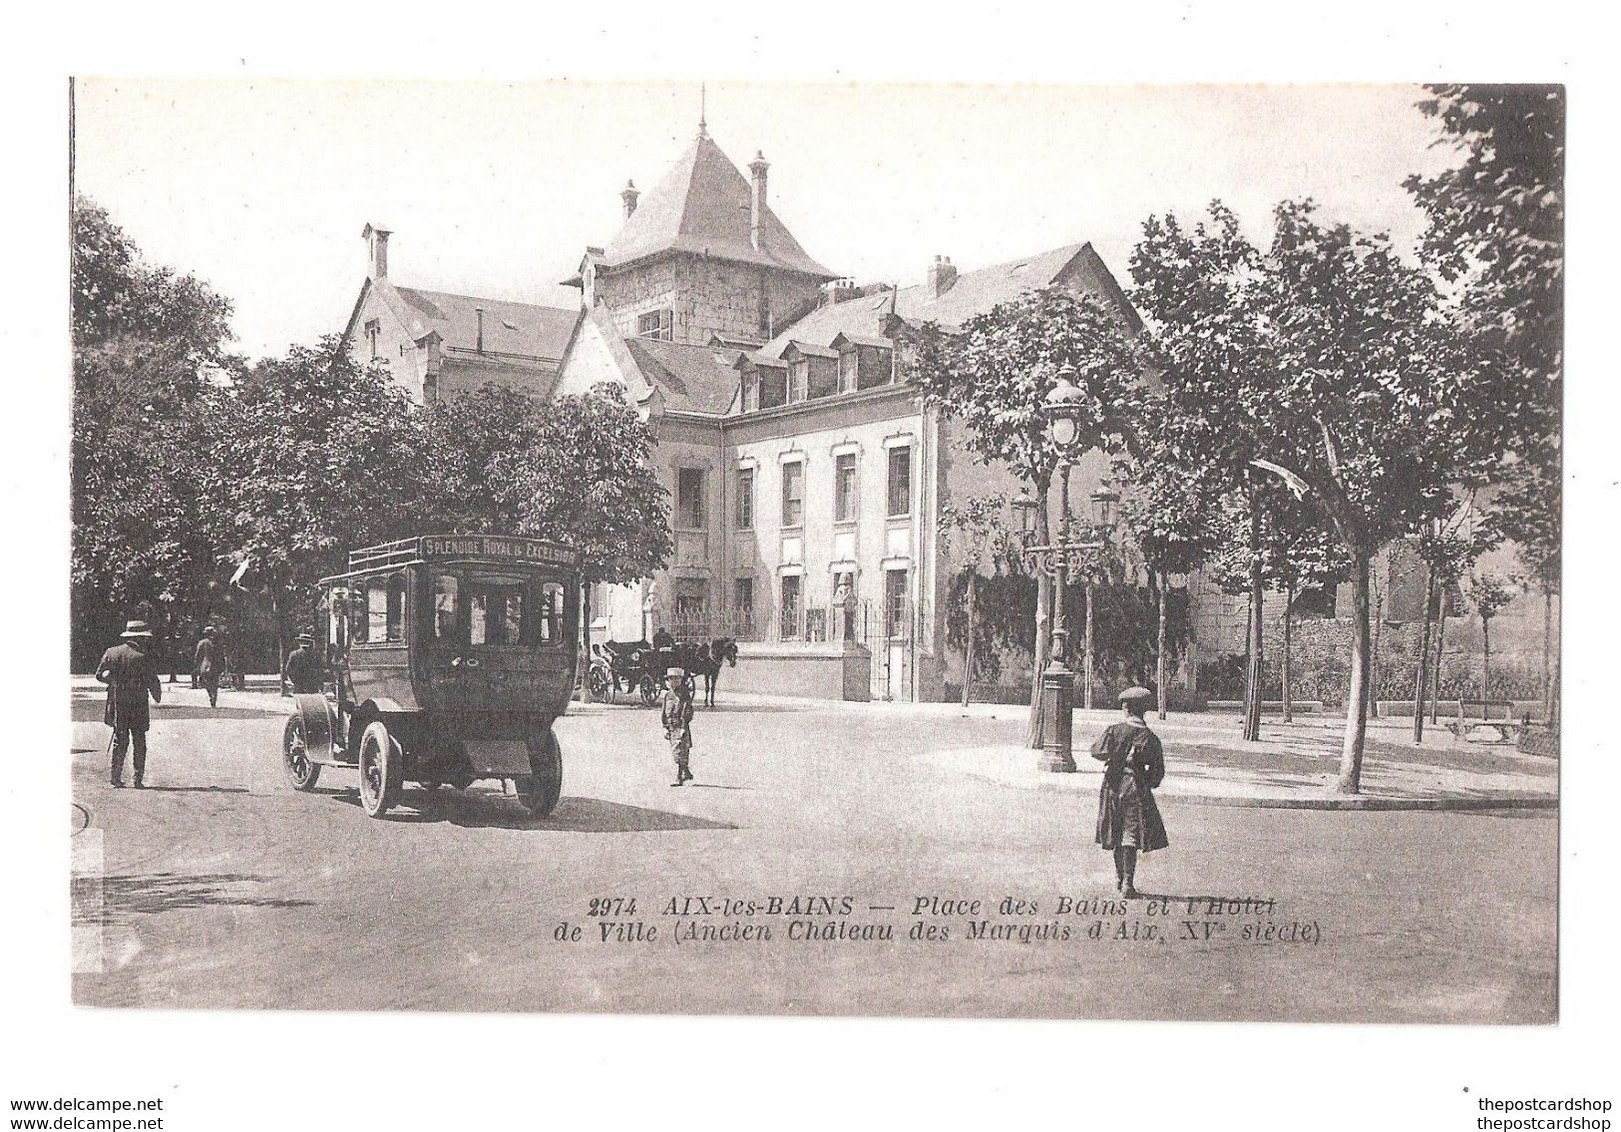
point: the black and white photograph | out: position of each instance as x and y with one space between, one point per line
1167 585
731 549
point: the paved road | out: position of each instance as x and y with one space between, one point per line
223 887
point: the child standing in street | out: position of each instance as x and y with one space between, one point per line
677 717
1128 819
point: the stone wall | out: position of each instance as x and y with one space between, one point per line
705 296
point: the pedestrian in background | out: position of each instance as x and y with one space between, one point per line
1129 821
677 717
131 675
208 664
303 672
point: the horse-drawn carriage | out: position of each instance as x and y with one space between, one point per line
451 655
640 666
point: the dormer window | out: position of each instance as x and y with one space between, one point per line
798 380
751 391
658 324
849 370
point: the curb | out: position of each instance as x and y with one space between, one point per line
1348 802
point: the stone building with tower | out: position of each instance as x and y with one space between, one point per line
806 474
807 477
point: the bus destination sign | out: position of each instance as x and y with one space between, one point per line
497 546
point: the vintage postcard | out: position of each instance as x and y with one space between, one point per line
1081 552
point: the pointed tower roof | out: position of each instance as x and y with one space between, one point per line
702 206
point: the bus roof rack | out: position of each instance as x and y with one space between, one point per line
396 553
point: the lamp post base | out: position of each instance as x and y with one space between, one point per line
1058 712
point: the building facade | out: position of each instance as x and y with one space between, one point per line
807 476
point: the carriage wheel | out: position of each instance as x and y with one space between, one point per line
382 769
650 691
295 755
540 790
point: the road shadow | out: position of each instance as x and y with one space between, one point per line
757 709
92 710
497 811
149 788
156 893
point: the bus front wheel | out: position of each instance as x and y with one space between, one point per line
382 769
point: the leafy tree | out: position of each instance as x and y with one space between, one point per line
1488 593
1497 221
1338 367
475 452
591 485
993 375
321 455
149 350
1170 511
978 522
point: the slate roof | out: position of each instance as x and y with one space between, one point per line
974 292
694 379
702 206
509 328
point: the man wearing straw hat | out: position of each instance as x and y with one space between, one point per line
130 676
676 714
303 669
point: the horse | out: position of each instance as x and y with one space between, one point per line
705 660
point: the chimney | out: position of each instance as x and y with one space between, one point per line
629 195
479 311
376 251
839 291
941 276
757 168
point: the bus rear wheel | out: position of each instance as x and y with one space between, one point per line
382 769
540 790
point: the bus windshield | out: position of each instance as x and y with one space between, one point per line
495 609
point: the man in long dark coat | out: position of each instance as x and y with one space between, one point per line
209 664
131 675
304 672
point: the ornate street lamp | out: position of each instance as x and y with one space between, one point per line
1063 408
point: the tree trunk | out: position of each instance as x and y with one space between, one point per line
1088 662
1485 662
1288 651
1378 591
281 636
1356 698
1159 651
1547 653
1034 734
1252 679
1440 647
968 645
582 674
1421 678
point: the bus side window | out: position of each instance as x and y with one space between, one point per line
445 590
385 609
549 630
358 617
396 607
